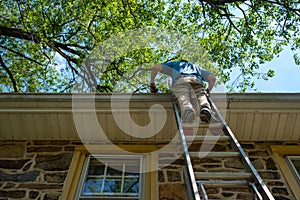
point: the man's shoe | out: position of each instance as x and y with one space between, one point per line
188 116
205 115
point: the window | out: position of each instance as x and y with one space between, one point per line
294 164
112 176
288 158
105 172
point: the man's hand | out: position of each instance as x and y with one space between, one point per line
153 88
155 70
207 92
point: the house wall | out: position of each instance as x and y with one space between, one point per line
38 169
34 169
171 182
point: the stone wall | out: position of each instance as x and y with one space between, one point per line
171 182
37 170
262 159
33 170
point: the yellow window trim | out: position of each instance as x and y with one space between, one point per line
81 152
279 151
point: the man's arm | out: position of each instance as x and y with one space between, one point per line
155 70
211 79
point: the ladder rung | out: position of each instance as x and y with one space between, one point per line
223 184
223 175
195 125
207 138
210 154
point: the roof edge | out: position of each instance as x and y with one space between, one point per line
253 97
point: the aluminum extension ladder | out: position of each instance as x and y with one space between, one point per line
196 182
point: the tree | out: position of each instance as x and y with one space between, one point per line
35 35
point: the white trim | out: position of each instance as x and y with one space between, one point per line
84 175
293 168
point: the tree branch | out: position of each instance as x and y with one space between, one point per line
21 55
227 15
286 6
203 9
17 33
68 49
217 6
89 28
11 76
130 10
222 2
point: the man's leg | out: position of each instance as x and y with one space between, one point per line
204 109
181 89
202 99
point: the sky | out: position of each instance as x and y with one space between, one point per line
286 79
287 74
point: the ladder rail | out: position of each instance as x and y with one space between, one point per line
259 197
205 197
265 192
193 192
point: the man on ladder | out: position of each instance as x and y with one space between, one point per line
188 87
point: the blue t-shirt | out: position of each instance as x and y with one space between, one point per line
182 68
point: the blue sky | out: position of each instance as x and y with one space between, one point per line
286 79
287 74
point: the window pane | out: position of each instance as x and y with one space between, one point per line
92 186
296 163
131 185
96 167
114 170
114 176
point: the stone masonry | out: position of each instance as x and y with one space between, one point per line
38 169
33 169
171 181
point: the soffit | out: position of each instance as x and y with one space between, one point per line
252 117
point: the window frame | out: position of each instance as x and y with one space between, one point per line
293 168
84 174
280 152
82 152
